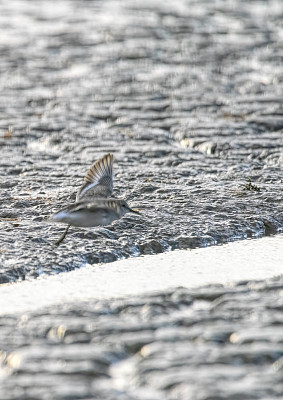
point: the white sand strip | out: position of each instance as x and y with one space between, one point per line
243 260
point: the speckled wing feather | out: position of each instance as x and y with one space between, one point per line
98 180
107 204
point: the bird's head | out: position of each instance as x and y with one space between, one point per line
125 208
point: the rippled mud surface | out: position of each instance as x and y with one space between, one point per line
186 94
215 342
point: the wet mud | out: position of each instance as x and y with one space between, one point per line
188 97
214 342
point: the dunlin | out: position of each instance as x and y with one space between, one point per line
93 206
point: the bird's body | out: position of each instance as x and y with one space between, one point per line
94 206
95 213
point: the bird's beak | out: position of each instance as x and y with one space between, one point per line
135 210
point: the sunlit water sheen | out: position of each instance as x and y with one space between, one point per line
243 260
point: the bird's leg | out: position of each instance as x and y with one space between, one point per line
62 237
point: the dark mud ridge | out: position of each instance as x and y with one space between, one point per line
186 94
211 343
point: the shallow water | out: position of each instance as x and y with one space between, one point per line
188 96
234 262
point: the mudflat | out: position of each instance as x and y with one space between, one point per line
188 97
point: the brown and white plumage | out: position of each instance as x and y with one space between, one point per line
100 212
98 180
93 206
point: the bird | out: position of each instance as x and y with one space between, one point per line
93 213
94 205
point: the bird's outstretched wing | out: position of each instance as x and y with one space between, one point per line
98 180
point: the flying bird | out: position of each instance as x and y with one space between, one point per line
94 205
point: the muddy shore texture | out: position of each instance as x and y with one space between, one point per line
212 343
188 97
186 94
